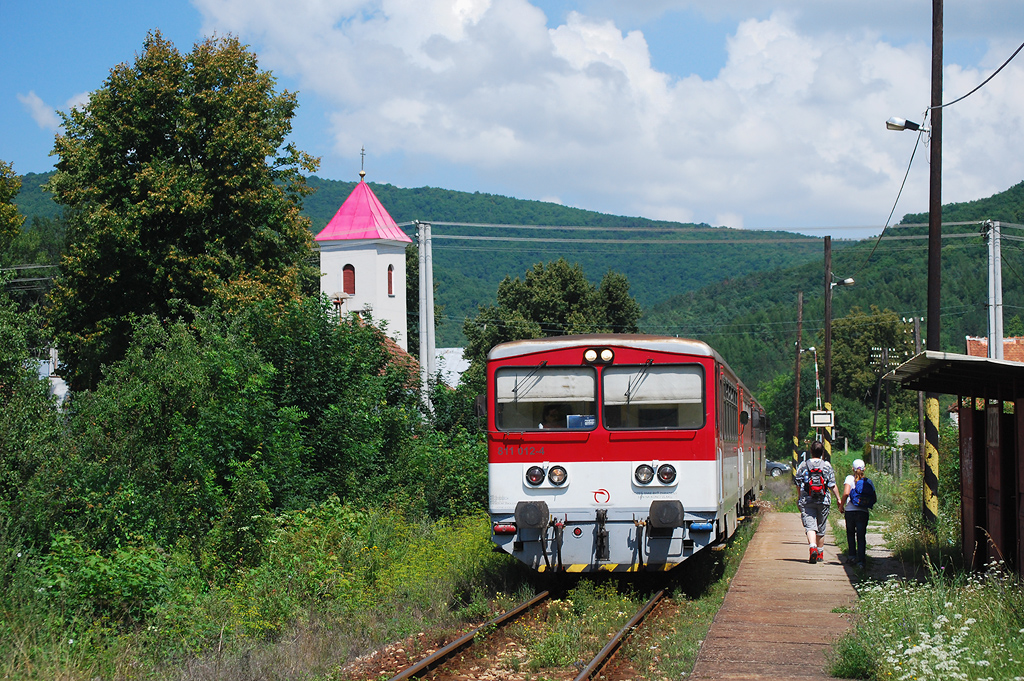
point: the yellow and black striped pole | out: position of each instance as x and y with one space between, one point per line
827 439
796 454
930 488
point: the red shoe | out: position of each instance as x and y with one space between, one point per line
814 556
821 554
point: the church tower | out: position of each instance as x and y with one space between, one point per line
362 261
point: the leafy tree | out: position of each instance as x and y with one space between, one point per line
1014 327
356 405
28 422
153 452
10 218
857 340
173 201
552 300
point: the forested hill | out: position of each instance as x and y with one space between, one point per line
661 259
736 289
751 320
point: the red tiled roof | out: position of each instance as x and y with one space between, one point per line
1013 348
362 216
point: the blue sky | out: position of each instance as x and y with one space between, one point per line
745 113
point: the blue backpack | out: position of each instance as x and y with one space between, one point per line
863 494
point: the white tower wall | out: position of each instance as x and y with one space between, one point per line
371 259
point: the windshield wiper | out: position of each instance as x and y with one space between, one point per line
634 382
534 370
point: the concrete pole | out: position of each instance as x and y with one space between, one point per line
431 336
424 364
995 291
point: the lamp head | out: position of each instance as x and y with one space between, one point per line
844 282
896 123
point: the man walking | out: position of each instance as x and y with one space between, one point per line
814 479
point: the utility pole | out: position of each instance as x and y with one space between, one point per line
828 320
930 488
426 311
827 439
796 401
995 291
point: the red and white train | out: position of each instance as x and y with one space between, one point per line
617 452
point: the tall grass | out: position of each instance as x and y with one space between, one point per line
950 625
336 581
959 626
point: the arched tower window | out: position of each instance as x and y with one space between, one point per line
348 275
391 280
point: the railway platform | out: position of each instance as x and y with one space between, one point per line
777 620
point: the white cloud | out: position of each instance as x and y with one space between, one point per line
78 101
790 132
43 114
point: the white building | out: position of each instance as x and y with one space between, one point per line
362 262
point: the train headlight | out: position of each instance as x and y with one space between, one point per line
534 475
667 473
598 355
556 475
644 474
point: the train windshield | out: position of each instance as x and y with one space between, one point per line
653 396
546 397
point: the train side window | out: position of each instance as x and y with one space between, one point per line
653 397
545 398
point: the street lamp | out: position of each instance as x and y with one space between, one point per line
896 123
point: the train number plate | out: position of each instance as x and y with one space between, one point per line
520 450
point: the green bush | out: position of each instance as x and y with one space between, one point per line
441 475
123 586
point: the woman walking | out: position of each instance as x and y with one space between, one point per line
857 500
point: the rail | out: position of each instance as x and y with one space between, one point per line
440 656
606 653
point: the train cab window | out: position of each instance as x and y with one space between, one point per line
652 397
545 398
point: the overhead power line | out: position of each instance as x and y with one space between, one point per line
732 242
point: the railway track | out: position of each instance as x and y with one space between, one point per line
594 667
447 652
602 658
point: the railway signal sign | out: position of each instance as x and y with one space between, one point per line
823 419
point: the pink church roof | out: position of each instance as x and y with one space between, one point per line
362 217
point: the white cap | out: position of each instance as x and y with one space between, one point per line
858 465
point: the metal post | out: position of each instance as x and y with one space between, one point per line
920 400
796 400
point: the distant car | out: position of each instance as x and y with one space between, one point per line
775 469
